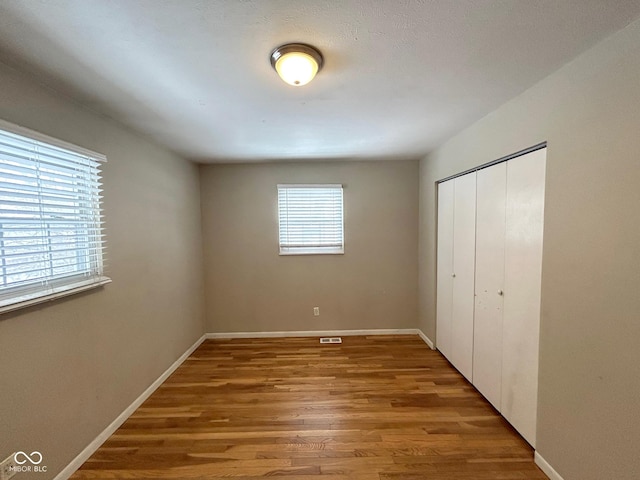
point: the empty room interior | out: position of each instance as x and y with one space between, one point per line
320 239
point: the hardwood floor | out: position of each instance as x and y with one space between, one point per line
378 407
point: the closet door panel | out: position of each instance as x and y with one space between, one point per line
464 227
523 265
444 268
489 284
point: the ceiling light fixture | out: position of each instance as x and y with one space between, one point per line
296 63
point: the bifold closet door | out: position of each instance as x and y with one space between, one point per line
489 285
523 272
455 271
464 253
444 281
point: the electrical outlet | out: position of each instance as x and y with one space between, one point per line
8 467
316 311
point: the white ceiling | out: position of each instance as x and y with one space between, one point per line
399 77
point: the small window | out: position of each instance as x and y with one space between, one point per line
310 219
51 239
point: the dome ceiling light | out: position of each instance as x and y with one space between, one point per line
296 63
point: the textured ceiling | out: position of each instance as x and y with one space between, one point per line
399 76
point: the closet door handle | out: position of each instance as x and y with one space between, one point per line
453 275
500 292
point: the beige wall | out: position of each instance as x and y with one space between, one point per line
69 368
589 112
250 288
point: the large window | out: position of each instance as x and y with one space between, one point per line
51 239
310 219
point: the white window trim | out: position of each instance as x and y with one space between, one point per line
56 292
327 250
40 137
59 292
284 251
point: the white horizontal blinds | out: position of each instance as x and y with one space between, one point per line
50 225
310 219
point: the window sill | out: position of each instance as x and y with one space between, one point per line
312 251
67 290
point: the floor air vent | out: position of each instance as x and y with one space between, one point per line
331 340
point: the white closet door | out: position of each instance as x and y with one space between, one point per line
490 249
464 248
445 268
523 265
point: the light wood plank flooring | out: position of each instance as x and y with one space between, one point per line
377 407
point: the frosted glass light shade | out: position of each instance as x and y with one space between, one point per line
296 63
296 68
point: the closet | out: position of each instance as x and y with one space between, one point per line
489 258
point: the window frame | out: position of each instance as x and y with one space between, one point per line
60 285
284 250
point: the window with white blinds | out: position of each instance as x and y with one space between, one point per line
51 237
310 219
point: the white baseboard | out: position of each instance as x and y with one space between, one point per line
426 339
107 432
314 333
546 468
325 333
